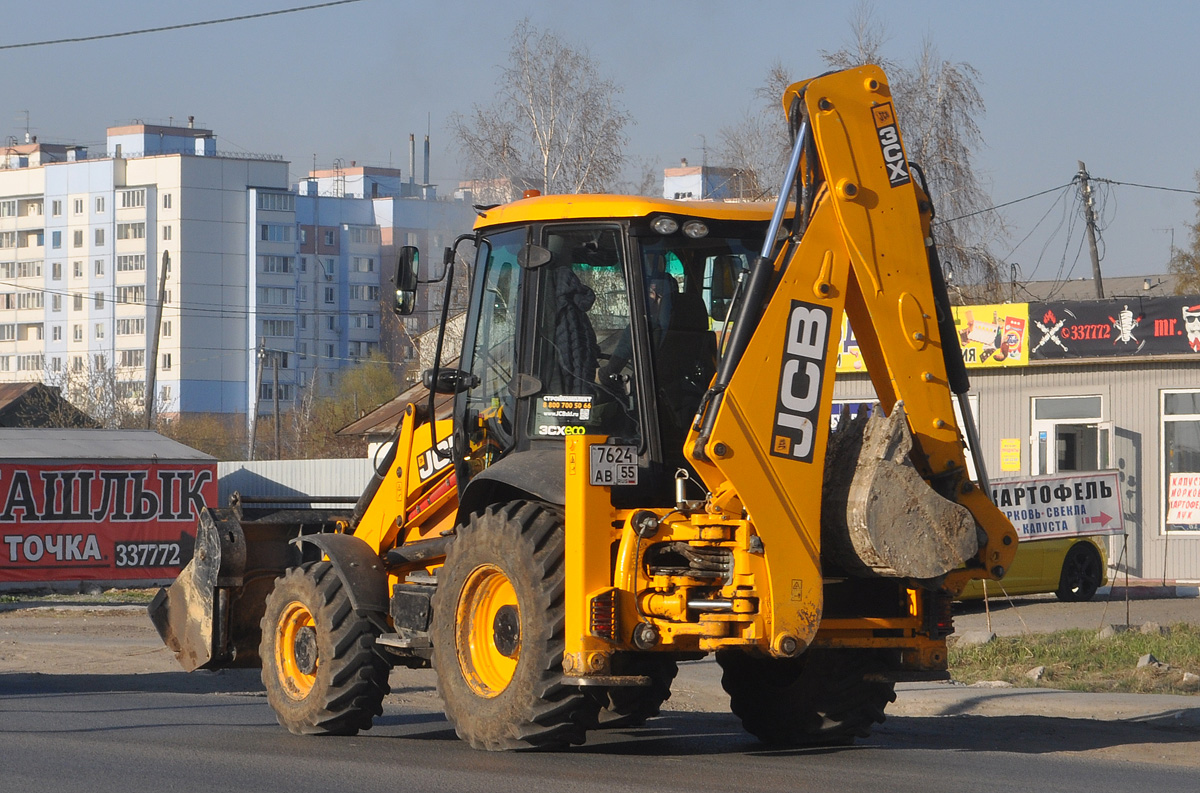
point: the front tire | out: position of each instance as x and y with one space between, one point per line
322 669
498 633
824 697
1080 576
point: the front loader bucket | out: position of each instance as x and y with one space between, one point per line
210 615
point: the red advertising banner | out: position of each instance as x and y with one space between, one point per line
92 522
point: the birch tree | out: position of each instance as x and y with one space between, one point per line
556 123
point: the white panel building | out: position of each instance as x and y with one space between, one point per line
254 265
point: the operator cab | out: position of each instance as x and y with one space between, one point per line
602 326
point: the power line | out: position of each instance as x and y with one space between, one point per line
1005 204
1147 186
181 26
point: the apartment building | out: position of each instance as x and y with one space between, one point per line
269 288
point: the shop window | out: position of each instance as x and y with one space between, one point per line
1069 434
1180 418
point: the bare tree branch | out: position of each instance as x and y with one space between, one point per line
555 123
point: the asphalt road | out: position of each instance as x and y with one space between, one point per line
92 701
138 733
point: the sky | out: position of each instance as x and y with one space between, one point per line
1062 81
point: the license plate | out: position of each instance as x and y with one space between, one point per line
613 465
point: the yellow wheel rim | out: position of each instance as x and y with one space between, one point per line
488 633
296 650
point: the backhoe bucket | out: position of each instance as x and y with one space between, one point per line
210 615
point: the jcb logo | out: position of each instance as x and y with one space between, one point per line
889 144
430 463
800 379
550 429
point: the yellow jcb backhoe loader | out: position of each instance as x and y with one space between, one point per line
639 468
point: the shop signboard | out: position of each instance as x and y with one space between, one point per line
1044 507
1121 326
89 521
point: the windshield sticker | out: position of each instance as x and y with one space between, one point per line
578 408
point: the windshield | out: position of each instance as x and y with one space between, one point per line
583 323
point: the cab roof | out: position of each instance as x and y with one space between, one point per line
598 206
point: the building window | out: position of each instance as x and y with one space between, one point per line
131 358
130 231
99 267
329 354
329 294
134 326
277 202
78 300
30 300
364 292
56 239
99 330
56 333
30 363
76 363
8 332
131 294
364 235
100 204
56 208
133 262
56 271
303 263
8 239
166 328
302 293
167 231
331 323
275 232
276 296
98 299
1068 434
99 238
133 198
329 237
276 264
166 361
77 239
278 327
1180 418
364 264
77 205
166 200
302 235
8 209
56 303
77 269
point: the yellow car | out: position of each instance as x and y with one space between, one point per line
1073 568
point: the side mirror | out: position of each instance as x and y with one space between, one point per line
407 265
448 381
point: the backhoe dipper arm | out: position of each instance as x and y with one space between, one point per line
760 441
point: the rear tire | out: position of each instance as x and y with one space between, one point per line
498 633
823 697
1081 573
323 671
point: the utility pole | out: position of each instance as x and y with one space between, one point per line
262 357
1089 215
152 368
275 399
